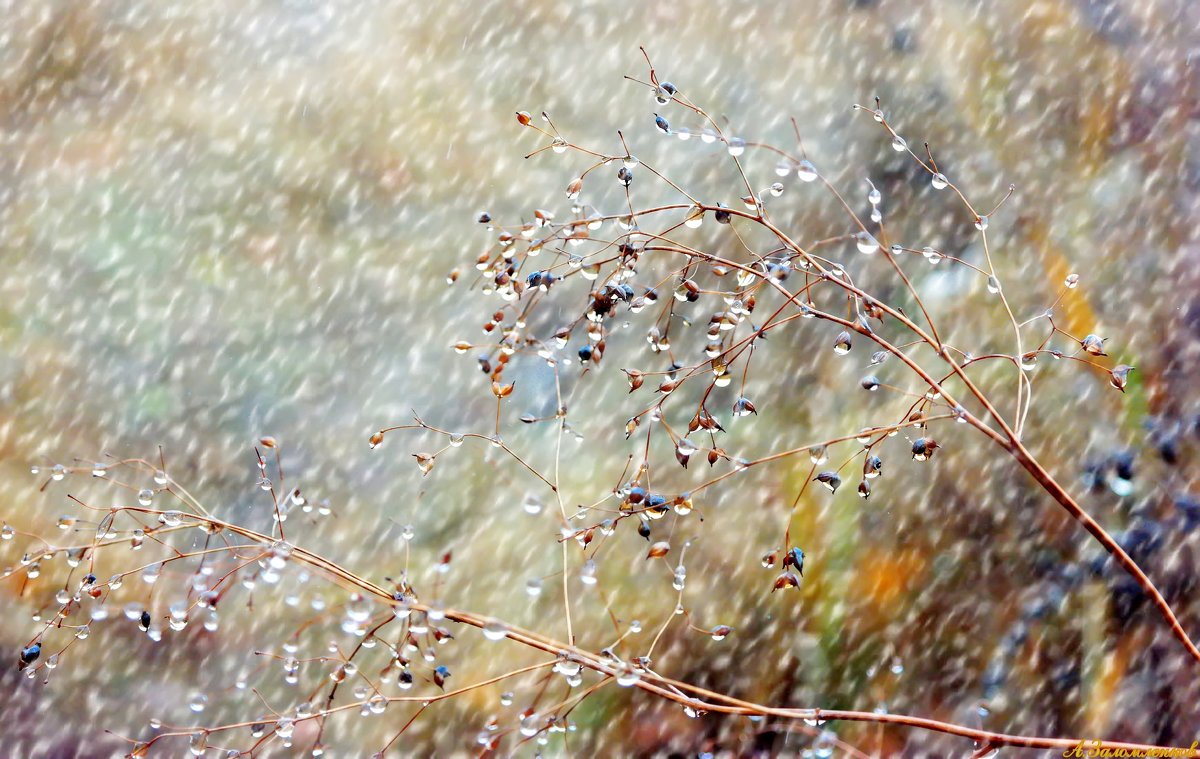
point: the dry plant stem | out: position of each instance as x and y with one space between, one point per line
1051 486
1008 439
673 690
328 710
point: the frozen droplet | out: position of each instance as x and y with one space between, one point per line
939 181
898 144
587 573
981 223
993 285
151 572
866 243
198 743
627 676
806 172
532 505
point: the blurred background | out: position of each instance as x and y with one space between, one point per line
230 219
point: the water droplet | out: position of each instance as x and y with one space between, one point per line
866 243
627 676
737 146
198 743
587 574
806 171
939 181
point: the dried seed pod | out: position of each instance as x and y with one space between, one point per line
1094 345
841 343
794 558
786 580
923 448
1118 377
829 479
658 550
424 462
